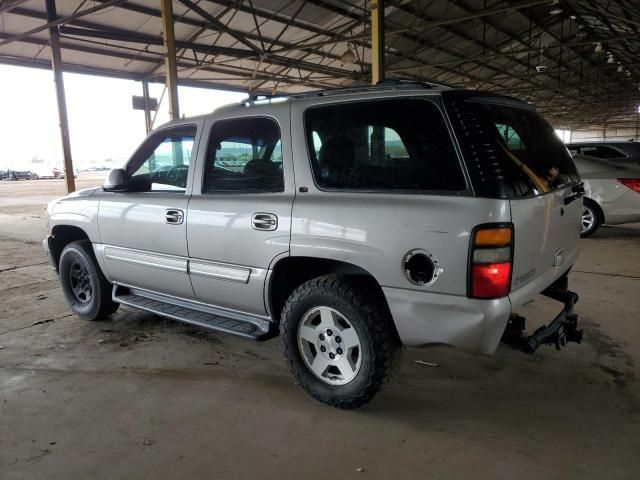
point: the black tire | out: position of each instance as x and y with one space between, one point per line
85 288
591 218
370 319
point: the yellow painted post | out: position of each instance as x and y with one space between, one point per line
377 41
170 57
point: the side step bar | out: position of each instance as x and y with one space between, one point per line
563 328
195 313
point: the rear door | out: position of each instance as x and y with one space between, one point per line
240 209
512 152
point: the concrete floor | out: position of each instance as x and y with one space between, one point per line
141 397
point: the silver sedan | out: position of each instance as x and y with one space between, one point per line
612 193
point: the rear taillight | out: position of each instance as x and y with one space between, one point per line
632 183
491 261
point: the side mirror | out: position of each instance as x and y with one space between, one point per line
117 181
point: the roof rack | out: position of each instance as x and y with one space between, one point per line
263 98
391 84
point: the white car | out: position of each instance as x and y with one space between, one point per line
612 193
45 171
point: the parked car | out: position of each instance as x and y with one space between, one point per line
18 175
46 172
612 193
353 221
618 152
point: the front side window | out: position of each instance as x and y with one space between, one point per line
244 155
162 163
395 145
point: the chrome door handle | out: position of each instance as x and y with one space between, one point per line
264 221
174 216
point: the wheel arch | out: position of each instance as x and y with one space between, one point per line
63 235
292 271
598 208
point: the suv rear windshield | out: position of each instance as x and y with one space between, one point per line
509 149
397 145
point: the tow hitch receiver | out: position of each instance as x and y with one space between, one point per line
563 328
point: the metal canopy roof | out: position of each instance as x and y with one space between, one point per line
293 45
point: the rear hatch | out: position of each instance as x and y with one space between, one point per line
511 152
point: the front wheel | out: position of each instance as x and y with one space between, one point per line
85 288
339 341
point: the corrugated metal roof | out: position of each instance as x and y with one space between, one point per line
295 45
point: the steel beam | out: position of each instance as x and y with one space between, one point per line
147 110
61 20
377 41
168 37
56 65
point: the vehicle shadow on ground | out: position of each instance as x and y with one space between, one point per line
617 232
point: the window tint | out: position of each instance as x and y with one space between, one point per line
244 155
510 137
383 145
162 163
510 150
600 151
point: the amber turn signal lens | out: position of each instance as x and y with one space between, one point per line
491 237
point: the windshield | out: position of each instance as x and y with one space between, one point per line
510 150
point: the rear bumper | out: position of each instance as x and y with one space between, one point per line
478 326
423 318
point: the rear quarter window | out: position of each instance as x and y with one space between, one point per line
510 150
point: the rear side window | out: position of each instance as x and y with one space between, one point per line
510 150
398 145
244 154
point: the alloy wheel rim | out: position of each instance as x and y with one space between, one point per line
80 282
329 345
588 218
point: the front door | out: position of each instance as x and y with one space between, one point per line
143 231
240 209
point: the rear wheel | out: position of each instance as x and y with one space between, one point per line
85 288
338 341
591 218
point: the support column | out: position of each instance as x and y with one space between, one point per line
56 65
377 41
170 57
147 110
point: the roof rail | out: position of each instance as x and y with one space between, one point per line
390 84
263 98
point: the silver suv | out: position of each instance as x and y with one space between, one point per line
351 222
